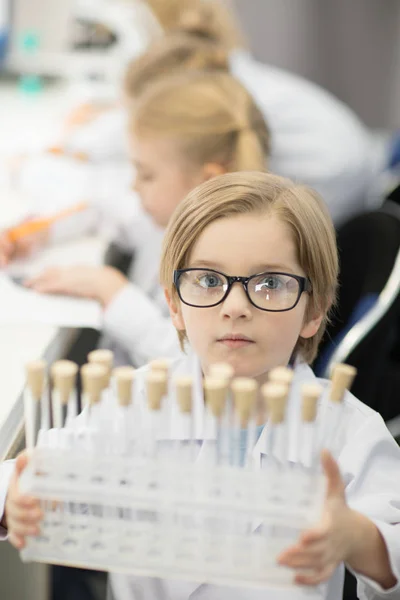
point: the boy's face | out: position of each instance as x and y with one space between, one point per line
245 245
163 176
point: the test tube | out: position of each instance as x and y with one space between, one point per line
307 443
63 374
281 375
275 397
105 358
156 385
244 400
34 399
183 388
124 377
221 371
215 392
93 380
342 377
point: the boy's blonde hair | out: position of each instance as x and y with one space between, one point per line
299 207
211 19
211 116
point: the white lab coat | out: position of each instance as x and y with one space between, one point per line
136 324
369 460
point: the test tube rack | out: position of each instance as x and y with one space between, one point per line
164 516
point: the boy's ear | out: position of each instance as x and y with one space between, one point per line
174 311
212 169
311 327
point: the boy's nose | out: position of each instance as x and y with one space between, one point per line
236 305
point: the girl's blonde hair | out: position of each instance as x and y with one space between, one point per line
209 19
211 115
299 207
201 34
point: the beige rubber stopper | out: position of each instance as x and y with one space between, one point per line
244 398
93 377
63 373
124 377
36 377
215 393
156 383
105 358
161 365
281 375
342 377
275 397
221 371
183 386
310 393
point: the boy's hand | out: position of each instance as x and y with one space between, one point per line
22 513
98 283
321 549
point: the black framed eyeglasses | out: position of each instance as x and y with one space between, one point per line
270 291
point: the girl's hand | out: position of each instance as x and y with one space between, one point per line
321 549
22 513
98 283
25 246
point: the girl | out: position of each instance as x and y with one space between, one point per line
251 227
184 130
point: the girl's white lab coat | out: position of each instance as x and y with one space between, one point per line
136 324
369 460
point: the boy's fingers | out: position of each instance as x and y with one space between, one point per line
330 467
21 462
315 578
24 515
22 530
17 541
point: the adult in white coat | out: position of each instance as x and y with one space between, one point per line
315 138
280 240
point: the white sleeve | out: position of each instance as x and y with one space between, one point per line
370 465
6 471
137 323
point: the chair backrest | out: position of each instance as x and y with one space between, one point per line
365 327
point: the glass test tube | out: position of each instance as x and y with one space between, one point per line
34 395
342 377
215 392
307 442
183 390
275 396
156 386
124 377
244 399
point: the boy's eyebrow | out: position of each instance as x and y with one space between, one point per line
260 268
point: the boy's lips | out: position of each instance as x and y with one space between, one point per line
235 340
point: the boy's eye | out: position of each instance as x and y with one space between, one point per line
270 282
209 280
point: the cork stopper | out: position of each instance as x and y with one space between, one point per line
342 377
281 375
244 398
310 392
93 378
104 358
63 373
221 371
215 392
124 377
184 393
275 396
156 383
36 377
161 365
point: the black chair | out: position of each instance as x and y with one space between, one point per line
365 327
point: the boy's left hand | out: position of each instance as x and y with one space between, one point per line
98 283
321 549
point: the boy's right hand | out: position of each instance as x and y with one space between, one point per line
22 513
